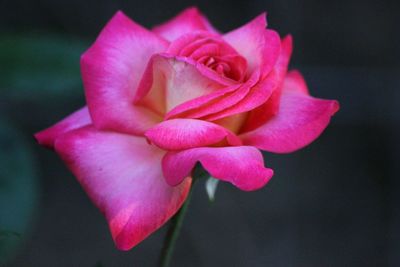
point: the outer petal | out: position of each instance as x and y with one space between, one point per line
259 46
300 120
76 120
122 175
111 71
179 134
187 21
242 166
294 82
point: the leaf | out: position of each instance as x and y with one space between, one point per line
18 190
211 187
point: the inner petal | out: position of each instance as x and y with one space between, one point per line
205 50
212 52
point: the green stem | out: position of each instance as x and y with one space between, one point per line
173 231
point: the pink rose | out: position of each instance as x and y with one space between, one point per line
159 101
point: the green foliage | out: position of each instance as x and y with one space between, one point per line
39 67
18 190
36 71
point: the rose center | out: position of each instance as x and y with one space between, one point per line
213 52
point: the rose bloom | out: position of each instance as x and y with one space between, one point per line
161 100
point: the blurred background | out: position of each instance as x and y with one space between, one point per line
334 203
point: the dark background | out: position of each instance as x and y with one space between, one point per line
334 203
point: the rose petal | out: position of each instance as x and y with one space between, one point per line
255 97
237 99
189 42
258 115
270 52
122 175
170 81
194 107
243 166
111 71
233 123
187 21
75 120
259 46
198 44
179 134
300 120
294 81
214 102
